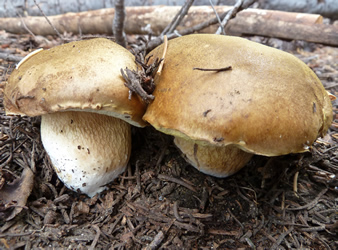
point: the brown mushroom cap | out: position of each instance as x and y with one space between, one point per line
270 103
82 76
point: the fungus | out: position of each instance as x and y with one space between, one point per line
78 90
226 98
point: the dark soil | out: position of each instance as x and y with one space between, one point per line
161 201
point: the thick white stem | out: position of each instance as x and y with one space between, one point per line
87 150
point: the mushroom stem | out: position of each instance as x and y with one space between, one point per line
213 160
87 150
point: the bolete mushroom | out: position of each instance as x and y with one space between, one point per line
226 98
78 90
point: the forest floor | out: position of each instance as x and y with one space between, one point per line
161 201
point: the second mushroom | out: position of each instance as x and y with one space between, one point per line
226 98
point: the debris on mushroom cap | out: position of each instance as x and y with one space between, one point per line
82 75
213 160
87 150
269 102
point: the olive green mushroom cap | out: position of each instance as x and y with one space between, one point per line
77 76
270 103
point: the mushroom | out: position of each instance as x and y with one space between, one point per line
87 149
226 98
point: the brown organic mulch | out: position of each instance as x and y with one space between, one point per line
161 202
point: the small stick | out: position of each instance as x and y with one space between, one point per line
312 203
233 216
32 163
295 183
25 26
216 70
177 181
176 213
138 177
156 241
129 174
165 47
178 18
204 199
230 14
157 41
57 32
217 16
281 238
97 236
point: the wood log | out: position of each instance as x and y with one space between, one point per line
317 33
141 20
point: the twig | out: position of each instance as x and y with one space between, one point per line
138 177
113 225
157 41
230 14
97 236
176 213
217 16
118 23
156 241
295 183
216 70
239 6
178 18
260 226
204 199
234 217
25 26
313 229
281 238
177 181
57 32
165 47
312 203
327 150
32 163
269 236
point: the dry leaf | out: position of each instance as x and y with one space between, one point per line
14 195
